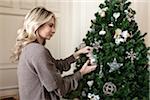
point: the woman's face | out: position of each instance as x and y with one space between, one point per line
47 30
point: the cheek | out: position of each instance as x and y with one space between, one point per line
44 32
47 31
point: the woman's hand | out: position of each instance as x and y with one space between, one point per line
87 69
84 50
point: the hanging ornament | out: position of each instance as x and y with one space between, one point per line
102 32
117 36
92 58
131 13
109 88
90 83
102 12
131 55
118 41
116 15
118 32
131 34
126 11
93 96
114 65
97 45
125 35
111 24
83 93
101 74
121 36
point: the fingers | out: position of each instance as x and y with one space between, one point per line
90 68
89 48
93 67
87 69
86 63
85 50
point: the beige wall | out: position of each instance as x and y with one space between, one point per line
142 8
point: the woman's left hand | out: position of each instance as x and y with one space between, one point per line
84 50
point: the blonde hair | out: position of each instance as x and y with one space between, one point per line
27 34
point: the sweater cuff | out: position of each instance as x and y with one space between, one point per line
78 75
71 59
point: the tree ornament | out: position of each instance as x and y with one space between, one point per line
125 35
117 36
92 58
101 74
118 32
114 65
97 45
109 88
102 12
111 24
130 14
119 40
116 15
90 83
93 96
131 55
83 93
121 36
102 32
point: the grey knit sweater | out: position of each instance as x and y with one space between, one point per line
39 74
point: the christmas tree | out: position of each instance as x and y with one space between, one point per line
120 54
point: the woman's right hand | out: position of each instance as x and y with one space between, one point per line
86 68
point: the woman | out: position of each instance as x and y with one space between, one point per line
39 74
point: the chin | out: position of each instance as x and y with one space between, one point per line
48 38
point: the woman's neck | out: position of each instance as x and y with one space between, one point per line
40 40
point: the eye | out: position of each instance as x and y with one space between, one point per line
51 25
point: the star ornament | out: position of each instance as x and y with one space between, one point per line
114 65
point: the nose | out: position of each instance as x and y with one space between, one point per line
53 30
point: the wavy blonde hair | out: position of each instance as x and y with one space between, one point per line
27 34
